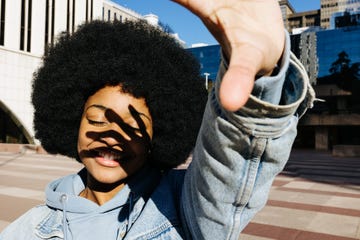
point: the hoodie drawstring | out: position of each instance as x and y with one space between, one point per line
63 200
131 205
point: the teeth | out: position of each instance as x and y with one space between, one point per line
109 156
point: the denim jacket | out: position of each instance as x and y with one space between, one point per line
235 160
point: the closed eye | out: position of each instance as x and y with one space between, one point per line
135 130
97 123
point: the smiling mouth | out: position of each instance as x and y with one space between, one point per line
109 154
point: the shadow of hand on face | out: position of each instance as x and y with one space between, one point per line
136 141
131 151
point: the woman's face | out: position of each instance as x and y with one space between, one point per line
114 135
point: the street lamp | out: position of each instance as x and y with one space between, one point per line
206 80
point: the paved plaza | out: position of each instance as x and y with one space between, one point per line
316 197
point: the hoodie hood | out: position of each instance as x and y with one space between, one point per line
67 190
84 219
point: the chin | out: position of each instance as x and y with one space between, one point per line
110 177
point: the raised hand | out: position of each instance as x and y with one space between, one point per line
251 34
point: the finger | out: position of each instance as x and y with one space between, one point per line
196 7
101 136
126 130
235 88
238 82
140 123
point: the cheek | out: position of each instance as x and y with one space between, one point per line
150 130
82 139
141 149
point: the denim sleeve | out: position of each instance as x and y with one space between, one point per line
238 154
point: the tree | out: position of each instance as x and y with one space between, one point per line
345 73
341 64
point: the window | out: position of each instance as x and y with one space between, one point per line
46 40
73 17
2 22
28 46
87 11
109 14
25 27
68 16
52 22
91 10
22 25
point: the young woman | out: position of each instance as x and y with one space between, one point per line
126 101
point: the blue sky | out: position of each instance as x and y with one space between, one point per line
188 26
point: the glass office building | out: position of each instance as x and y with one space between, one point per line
209 59
330 43
334 122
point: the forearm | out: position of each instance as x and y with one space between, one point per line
238 155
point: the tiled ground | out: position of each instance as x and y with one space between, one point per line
317 197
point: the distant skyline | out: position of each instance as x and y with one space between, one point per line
188 26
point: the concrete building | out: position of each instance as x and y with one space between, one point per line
329 7
333 124
323 17
286 10
306 19
298 20
343 19
26 30
112 11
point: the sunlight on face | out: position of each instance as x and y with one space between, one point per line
114 135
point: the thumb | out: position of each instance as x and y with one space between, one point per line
238 81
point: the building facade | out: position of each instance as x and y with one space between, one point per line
112 11
286 10
335 122
325 17
298 20
332 60
330 7
327 42
209 59
26 29
306 19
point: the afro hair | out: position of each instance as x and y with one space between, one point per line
145 61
